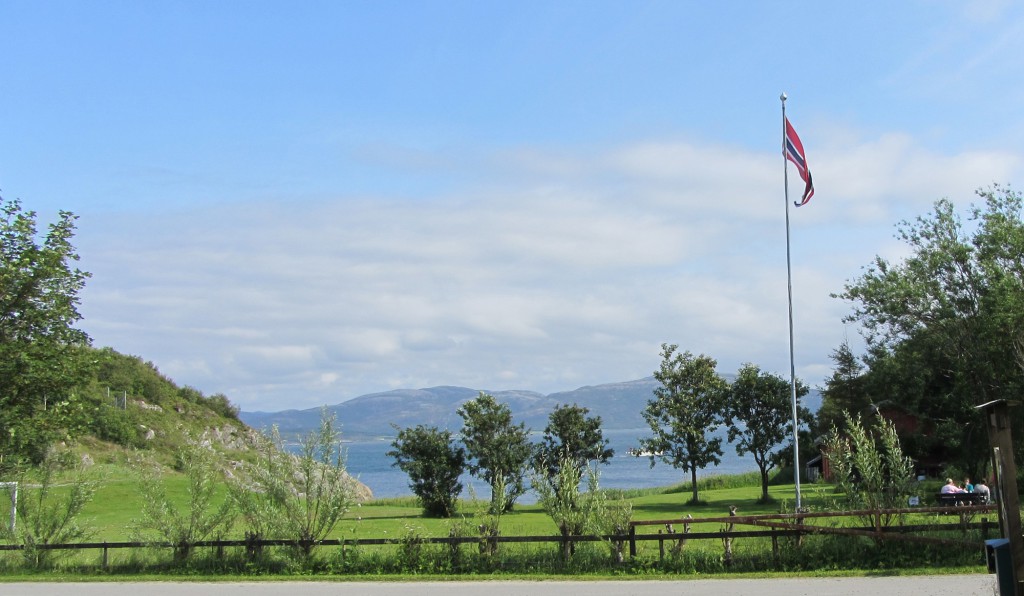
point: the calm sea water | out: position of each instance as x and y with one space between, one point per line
368 462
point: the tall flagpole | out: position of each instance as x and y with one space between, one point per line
789 281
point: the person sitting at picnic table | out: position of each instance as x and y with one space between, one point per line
951 487
968 486
982 489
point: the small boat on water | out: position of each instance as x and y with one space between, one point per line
639 453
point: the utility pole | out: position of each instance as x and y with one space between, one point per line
997 420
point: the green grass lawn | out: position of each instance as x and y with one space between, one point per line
386 517
117 504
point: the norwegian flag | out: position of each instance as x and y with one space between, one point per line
794 151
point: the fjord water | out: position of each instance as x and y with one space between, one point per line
367 460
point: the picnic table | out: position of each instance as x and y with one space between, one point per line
961 499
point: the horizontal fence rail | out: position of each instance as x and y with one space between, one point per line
796 522
774 526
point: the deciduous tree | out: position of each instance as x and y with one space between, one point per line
759 412
434 464
943 324
572 433
498 450
40 355
199 519
686 408
49 507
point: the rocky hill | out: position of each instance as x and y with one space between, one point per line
127 409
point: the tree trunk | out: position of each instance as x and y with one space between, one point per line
693 482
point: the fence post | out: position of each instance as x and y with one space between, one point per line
106 560
632 541
800 532
775 545
677 548
661 547
728 539
454 553
253 545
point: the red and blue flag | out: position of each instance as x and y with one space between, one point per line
794 151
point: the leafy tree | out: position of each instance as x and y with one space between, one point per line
434 464
686 407
219 403
138 378
944 324
572 433
200 519
40 355
845 390
498 450
759 412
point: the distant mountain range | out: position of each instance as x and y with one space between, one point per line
618 404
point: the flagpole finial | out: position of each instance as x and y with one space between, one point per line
783 97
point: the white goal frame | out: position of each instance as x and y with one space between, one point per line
13 488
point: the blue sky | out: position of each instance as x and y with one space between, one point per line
298 203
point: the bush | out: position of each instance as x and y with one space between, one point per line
115 425
434 464
870 468
220 404
200 519
302 497
47 511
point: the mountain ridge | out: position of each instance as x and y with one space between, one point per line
373 415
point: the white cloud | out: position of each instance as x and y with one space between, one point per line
568 268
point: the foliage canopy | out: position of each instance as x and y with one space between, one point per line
945 326
41 351
572 435
686 408
498 450
434 464
759 414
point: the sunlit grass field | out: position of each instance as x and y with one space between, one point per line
117 504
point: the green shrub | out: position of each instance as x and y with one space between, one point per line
199 519
49 503
115 425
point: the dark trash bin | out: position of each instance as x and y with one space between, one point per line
997 555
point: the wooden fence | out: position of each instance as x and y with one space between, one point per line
796 524
774 526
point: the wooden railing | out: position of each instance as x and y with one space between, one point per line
772 526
